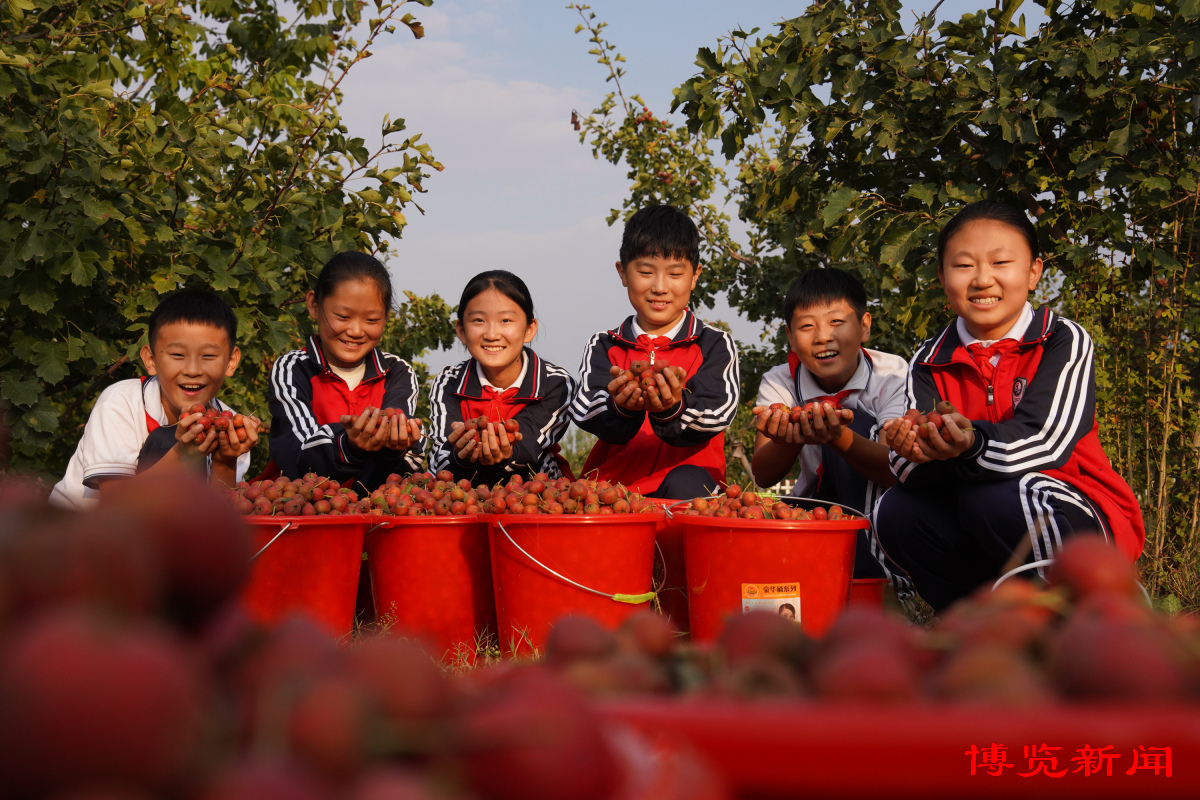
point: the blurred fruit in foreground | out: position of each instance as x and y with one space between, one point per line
198 539
1087 565
84 702
530 737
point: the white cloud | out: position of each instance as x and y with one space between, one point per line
519 191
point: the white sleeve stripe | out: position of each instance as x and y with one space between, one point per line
411 401
720 417
304 424
583 407
553 422
1054 437
437 407
584 417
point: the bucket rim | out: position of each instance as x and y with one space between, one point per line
769 525
387 521
582 520
313 519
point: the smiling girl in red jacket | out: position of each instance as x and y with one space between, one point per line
503 380
1019 467
326 399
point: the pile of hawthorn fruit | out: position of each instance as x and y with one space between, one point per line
127 670
210 418
423 494
748 504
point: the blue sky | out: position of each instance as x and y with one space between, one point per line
491 87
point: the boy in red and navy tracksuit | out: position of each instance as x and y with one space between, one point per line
538 402
1020 467
308 399
667 441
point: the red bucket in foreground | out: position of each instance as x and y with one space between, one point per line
432 578
739 565
610 553
782 748
311 568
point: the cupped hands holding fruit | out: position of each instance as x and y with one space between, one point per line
813 423
482 441
653 386
203 431
936 436
378 428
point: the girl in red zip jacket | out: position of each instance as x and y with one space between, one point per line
326 399
1018 467
503 380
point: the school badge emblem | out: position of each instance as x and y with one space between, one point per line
1019 390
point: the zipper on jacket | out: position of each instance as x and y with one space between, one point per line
652 351
991 395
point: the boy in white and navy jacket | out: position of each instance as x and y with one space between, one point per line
841 460
140 424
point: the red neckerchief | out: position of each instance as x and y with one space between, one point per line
794 364
651 343
498 401
151 422
836 399
982 355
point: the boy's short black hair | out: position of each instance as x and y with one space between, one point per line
663 231
196 307
821 287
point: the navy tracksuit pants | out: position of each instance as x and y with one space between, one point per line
953 539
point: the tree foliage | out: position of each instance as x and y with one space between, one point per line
850 139
181 143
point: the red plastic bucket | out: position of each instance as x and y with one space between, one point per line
305 565
609 554
432 578
736 565
868 592
670 574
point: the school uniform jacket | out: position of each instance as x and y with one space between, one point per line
1037 415
539 405
639 448
307 400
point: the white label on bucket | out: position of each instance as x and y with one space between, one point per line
779 598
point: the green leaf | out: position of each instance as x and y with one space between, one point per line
837 203
18 392
1118 141
51 361
923 192
82 272
18 7
1189 9
900 241
38 293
